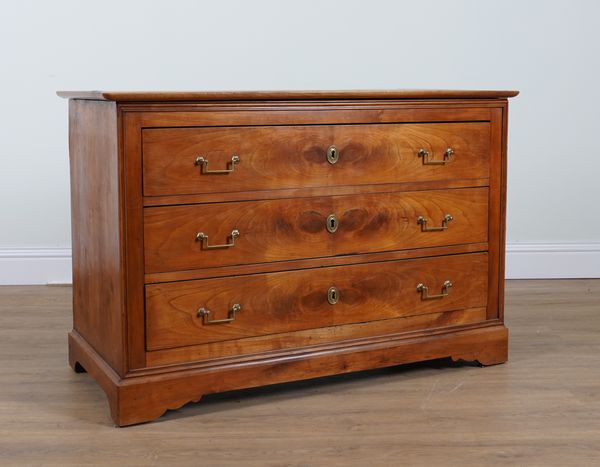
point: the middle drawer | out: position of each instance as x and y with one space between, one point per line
226 234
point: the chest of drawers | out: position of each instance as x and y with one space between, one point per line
225 240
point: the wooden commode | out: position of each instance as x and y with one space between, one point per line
226 240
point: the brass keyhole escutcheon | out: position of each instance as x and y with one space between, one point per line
333 295
333 154
332 223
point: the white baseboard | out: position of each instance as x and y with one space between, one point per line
35 266
523 261
553 260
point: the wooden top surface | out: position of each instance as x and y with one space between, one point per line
164 96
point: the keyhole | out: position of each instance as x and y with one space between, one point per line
333 295
331 223
332 155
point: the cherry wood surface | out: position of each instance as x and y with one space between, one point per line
98 298
276 157
307 192
496 213
299 113
285 342
133 259
310 263
135 240
296 300
145 397
186 96
280 230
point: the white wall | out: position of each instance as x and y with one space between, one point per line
549 50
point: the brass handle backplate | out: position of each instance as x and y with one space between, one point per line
425 291
203 163
428 160
333 154
202 237
423 222
205 314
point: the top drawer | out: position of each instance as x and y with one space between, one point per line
180 161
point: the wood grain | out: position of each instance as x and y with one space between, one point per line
277 157
298 339
161 96
141 115
340 260
228 114
291 229
377 222
295 300
307 192
496 221
98 298
145 397
133 259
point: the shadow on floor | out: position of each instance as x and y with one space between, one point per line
220 402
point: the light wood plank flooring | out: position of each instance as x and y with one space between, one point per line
540 409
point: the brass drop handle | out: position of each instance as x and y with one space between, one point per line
203 238
425 291
203 163
205 314
424 228
427 158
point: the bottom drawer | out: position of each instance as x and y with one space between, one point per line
212 310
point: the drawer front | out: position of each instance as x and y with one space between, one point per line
299 156
287 229
181 314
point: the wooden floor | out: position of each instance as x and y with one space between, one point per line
542 408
